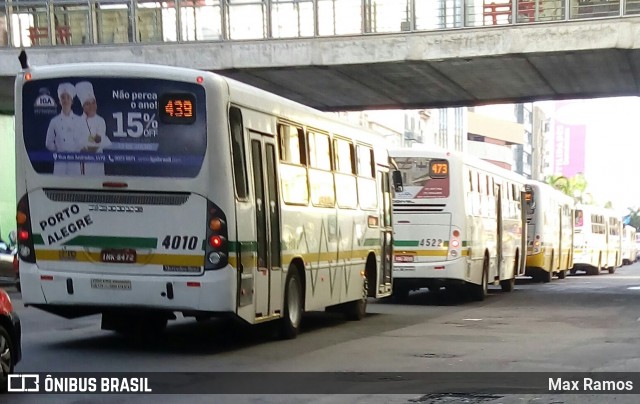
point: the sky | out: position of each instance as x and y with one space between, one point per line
612 160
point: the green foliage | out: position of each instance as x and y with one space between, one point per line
634 216
574 186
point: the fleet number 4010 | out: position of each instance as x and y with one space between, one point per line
180 242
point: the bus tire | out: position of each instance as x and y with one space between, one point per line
508 284
357 310
562 274
400 294
479 292
548 276
612 270
573 271
292 313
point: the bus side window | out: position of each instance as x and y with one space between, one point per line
293 173
319 151
345 170
292 145
320 175
366 168
237 149
366 182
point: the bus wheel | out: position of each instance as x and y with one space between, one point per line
573 271
400 294
593 271
357 309
612 270
562 274
479 292
508 284
290 322
546 276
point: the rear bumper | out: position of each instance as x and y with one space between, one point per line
453 270
214 291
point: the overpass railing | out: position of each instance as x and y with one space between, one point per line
37 23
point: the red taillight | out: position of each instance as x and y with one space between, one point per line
456 233
215 241
23 235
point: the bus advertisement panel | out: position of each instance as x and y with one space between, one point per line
114 126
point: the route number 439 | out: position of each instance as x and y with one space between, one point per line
180 242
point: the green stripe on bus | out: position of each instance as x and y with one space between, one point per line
243 246
405 243
113 242
38 240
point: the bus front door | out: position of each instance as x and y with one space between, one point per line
268 285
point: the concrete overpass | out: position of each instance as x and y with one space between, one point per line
462 67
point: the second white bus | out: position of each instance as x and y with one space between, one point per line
457 223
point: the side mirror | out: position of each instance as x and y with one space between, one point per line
397 180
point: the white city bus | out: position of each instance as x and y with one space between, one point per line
457 223
629 249
549 231
597 240
207 197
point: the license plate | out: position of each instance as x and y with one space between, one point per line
119 256
110 284
403 258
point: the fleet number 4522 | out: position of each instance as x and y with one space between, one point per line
431 242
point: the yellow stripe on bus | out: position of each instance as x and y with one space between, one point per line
145 259
430 253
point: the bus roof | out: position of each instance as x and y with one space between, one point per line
238 92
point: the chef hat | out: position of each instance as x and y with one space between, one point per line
66 88
85 91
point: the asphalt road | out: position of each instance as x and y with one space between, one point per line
579 324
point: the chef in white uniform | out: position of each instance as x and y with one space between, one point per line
97 139
66 132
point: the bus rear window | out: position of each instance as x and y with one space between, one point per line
99 126
423 178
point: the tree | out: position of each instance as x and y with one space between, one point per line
634 217
574 187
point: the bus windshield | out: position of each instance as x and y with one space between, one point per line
423 178
90 126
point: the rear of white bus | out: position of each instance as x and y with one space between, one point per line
428 246
125 227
